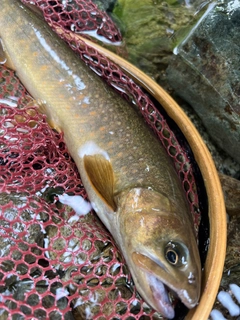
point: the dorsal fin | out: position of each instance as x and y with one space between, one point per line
100 173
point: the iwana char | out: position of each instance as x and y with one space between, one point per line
128 176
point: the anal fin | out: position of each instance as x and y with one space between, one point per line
5 58
100 173
42 108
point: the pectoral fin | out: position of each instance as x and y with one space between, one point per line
5 57
100 173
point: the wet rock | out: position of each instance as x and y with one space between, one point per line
147 27
232 263
223 162
231 273
231 190
105 5
205 72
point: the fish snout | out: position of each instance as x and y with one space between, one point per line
188 299
166 283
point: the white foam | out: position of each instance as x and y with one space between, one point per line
94 34
232 6
236 291
73 245
90 148
77 203
115 266
226 300
93 297
9 102
210 7
46 245
216 315
73 219
78 303
61 292
88 313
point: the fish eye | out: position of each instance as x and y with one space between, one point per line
176 254
171 256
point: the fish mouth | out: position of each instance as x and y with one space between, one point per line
163 294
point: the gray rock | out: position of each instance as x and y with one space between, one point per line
105 5
231 190
206 73
231 271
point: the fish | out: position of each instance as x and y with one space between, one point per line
130 181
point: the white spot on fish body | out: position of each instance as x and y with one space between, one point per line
86 100
95 208
142 222
191 278
184 293
138 191
69 87
90 148
136 197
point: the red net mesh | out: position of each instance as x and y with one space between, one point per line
51 266
79 16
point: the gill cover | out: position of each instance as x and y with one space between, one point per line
162 249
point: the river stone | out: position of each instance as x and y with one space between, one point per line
231 191
206 73
147 27
105 5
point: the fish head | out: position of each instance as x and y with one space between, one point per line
161 249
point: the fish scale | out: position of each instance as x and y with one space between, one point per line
143 206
